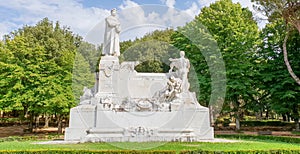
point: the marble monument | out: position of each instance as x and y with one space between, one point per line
137 107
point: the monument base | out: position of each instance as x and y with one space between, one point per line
94 124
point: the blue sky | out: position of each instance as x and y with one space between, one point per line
107 4
83 16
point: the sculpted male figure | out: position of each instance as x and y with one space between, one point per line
182 65
111 44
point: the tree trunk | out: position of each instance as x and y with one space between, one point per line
47 119
237 123
296 117
237 115
236 111
59 124
284 117
267 114
257 115
30 127
286 61
37 121
297 125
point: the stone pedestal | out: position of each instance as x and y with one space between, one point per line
102 125
108 74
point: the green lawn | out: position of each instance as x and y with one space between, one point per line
177 146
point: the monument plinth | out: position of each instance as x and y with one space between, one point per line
138 107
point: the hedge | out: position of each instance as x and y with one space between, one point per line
242 152
29 138
260 137
265 123
86 152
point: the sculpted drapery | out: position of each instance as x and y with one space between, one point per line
111 45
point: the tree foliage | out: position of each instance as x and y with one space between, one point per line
236 33
40 68
289 10
283 91
152 51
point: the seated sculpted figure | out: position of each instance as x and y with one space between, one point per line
173 89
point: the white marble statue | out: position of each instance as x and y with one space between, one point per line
130 106
173 89
182 66
111 44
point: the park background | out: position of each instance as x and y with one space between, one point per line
37 77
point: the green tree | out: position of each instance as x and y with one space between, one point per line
236 33
289 10
91 54
26 85
152 51
42 57
8 72
202 51
283 91
82 76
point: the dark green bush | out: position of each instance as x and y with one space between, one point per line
9 121
30 138
260 137
224 121
264 123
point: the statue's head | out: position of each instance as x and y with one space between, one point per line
182 53
171 78
113 12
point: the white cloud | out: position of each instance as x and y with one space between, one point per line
203 3
135 19
131 13
170 3
193 10
6 27
67 12
128 4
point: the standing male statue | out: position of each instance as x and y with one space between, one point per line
111 44
182 65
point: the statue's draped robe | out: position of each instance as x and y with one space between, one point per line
111 45
183 73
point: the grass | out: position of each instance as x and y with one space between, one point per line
295 133
177 146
